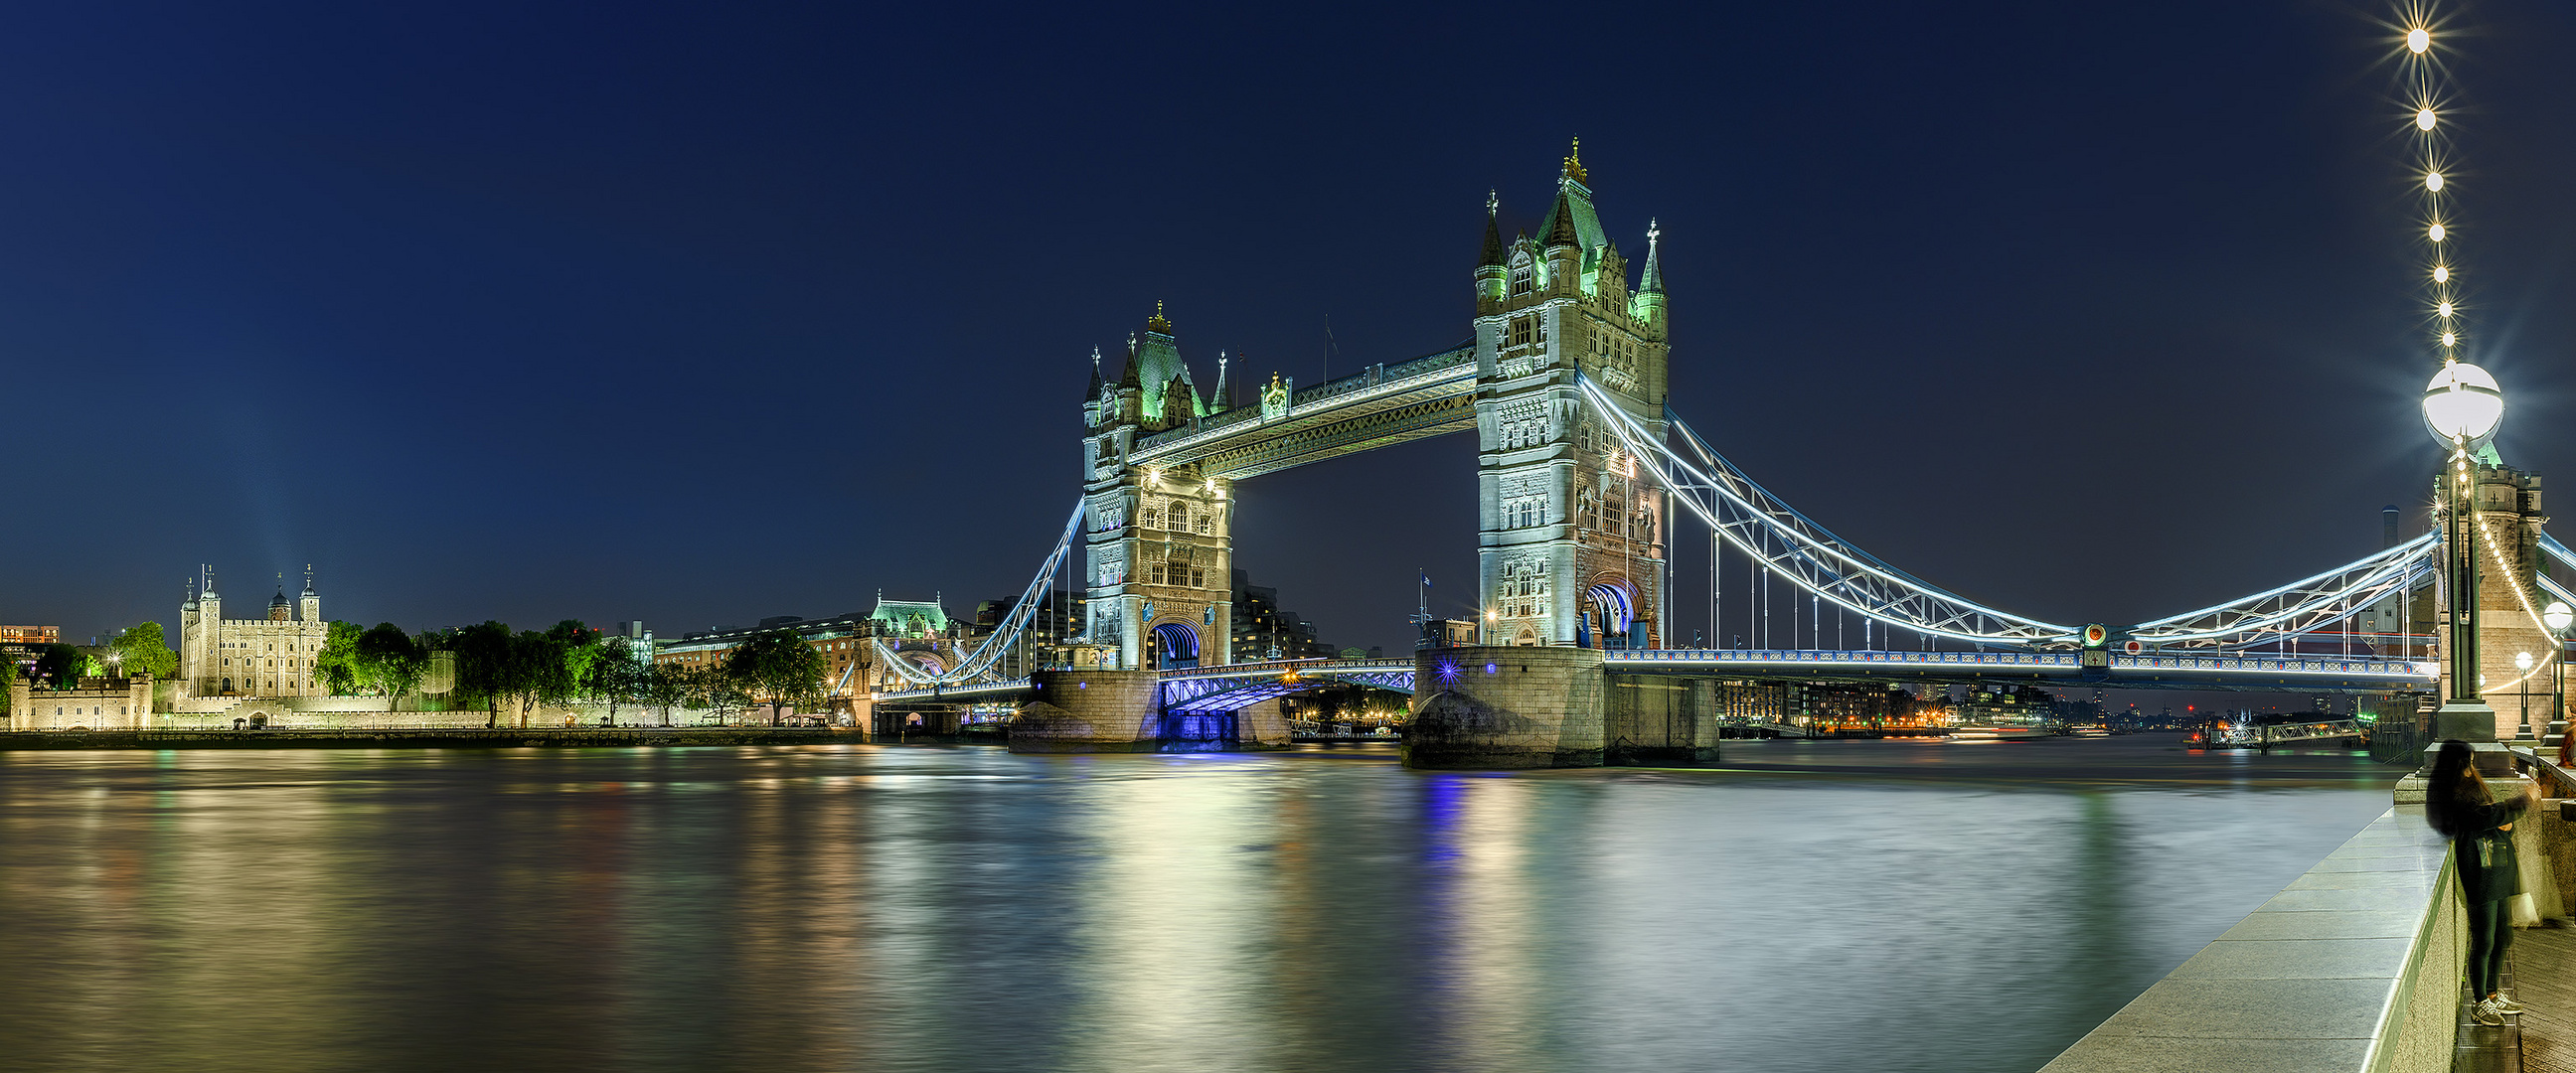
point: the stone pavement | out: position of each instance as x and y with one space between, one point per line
2543 963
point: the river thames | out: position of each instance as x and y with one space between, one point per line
1915 906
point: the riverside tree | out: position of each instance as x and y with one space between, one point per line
142 649
389 661
60 665
613 675
337 665
780 667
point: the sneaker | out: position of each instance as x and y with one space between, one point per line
2504 1003
2486 1013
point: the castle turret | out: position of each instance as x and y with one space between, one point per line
308 607
280 609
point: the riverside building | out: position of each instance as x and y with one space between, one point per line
271 656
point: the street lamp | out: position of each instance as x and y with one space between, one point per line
2462 407
2522 662
2558 616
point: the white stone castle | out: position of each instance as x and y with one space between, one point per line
251 657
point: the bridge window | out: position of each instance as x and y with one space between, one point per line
1521 280
1521 330
1180 516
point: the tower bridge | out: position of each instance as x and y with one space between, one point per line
1583 474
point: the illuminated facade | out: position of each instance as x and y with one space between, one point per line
1571 542
1158 541
270 656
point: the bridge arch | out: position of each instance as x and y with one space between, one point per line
1176 644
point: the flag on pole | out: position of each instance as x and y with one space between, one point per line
1426 580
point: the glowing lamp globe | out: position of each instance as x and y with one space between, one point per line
2558 616
2463 405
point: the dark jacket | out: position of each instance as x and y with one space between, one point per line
2488 870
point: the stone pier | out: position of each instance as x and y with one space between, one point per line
1121 712
1089 712
1529 707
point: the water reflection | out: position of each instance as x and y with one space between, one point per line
925 908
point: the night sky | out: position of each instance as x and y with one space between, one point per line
524 311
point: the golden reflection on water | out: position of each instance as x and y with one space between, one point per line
884 908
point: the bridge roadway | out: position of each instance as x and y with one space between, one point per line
1228 687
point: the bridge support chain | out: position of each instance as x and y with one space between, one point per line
1528 707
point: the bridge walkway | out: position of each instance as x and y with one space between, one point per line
2542 967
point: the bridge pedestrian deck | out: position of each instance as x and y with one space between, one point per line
2543 966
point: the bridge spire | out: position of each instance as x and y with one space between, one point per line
1574 163
1653 281
1492 257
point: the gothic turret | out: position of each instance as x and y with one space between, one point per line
1490 270
1163 378
1648 306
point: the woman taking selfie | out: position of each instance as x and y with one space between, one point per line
2481 834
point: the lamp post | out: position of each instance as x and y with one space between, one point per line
2557 616
2522 662
2462 406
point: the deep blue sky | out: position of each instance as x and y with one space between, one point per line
523 311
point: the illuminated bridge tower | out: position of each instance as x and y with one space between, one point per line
1158 544
1572 538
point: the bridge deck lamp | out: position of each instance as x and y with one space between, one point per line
2557 616
2522 662
2462 407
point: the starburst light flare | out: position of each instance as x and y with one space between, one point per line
2416 22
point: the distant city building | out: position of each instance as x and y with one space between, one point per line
1261 630
254 657
22 644
639 641
2027 706
1828 706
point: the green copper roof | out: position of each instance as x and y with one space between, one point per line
1575 200
1157 362
911 615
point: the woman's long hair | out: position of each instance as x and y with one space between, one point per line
2454 788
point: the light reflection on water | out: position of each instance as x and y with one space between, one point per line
961 908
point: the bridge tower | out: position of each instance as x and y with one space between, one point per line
1572 537
1158 543
2507 524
